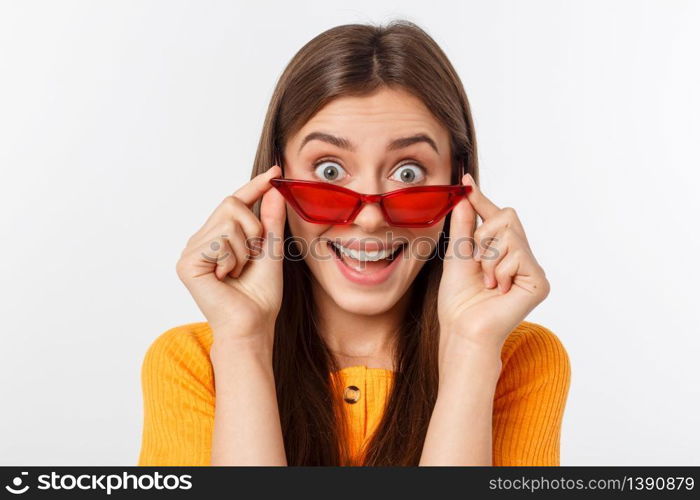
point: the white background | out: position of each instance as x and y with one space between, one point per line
123 125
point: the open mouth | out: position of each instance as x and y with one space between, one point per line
366 262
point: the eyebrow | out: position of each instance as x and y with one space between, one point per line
341 142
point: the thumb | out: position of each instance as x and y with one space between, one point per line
462 225
273 214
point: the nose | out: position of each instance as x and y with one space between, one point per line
370 218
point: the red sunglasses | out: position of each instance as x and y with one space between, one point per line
324 203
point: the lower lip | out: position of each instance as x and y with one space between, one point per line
374 278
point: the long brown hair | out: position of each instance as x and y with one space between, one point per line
357 59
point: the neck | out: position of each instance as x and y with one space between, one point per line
358 339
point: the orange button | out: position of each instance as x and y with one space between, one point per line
351 394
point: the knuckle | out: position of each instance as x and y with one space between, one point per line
544 288
509 216
490 243
253 226
245 216
495 241
227 228
482 239
180 267
232 201
509 212
482 232
512 238
508 233
490 254
518 254
185 250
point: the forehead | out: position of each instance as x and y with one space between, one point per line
374 118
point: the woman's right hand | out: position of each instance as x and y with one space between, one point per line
232 266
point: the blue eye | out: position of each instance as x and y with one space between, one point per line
329 171
409 173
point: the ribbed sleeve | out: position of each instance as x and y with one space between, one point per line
178 399
530 398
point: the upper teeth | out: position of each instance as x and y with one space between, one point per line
363 255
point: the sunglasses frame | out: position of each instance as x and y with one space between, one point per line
456 192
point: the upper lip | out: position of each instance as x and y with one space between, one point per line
371 245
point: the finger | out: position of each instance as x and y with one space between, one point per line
507 269
241 215
231 208
225 247
506 218
495 250
509 218
227 261
483 236
483 206
520 270
258 185
192 263
273 214
214 255
213 247
461 239
237 243
462 226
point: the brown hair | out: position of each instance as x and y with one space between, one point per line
357 59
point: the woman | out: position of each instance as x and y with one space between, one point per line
378 339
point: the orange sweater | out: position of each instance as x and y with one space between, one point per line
179 398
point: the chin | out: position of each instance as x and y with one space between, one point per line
366 300
364 303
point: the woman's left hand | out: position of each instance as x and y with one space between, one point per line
484 295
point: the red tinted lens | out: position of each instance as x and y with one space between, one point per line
419 208
318 204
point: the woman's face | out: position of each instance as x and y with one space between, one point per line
355 152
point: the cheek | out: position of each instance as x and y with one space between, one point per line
424 241
307 235
300 228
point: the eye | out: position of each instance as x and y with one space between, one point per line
409 173
329 171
